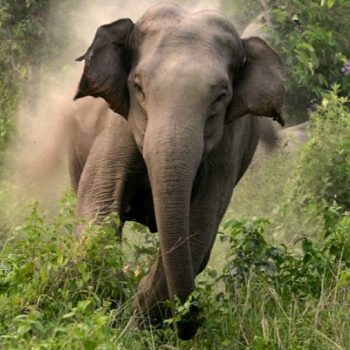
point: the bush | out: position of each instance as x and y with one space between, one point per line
58 292
30 36
317 193
6 129
324 169
310 37
52 285
21 29
292 275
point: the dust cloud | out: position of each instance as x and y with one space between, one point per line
36 162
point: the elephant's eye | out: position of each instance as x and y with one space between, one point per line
139 89
217 104
220 98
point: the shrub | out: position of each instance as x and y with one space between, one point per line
324 169
54 285
318 191
310 37
58 292
293 275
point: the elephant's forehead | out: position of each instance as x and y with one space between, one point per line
171 22
169 39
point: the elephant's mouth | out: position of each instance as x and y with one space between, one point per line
137 205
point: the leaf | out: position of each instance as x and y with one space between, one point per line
83 305
22 330
69 315
330 3
90 345
307 246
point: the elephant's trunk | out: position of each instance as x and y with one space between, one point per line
173 154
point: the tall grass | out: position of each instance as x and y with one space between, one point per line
58 292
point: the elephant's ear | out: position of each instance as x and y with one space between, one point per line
107 66
259 89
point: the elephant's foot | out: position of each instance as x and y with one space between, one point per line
188 326
152 308
152 292
154 316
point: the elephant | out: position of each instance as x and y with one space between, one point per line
294 136
188 96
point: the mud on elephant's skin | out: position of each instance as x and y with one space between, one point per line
187 93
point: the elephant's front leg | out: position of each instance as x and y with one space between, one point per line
112 160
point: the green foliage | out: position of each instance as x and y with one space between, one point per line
317 193
29 39
52 285
324 169
271 297
21 32
292 275
60 292
6 129
310 38
22 28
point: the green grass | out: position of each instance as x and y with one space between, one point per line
57 292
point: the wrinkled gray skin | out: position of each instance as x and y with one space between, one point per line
182 85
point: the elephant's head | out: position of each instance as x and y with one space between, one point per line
179 78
